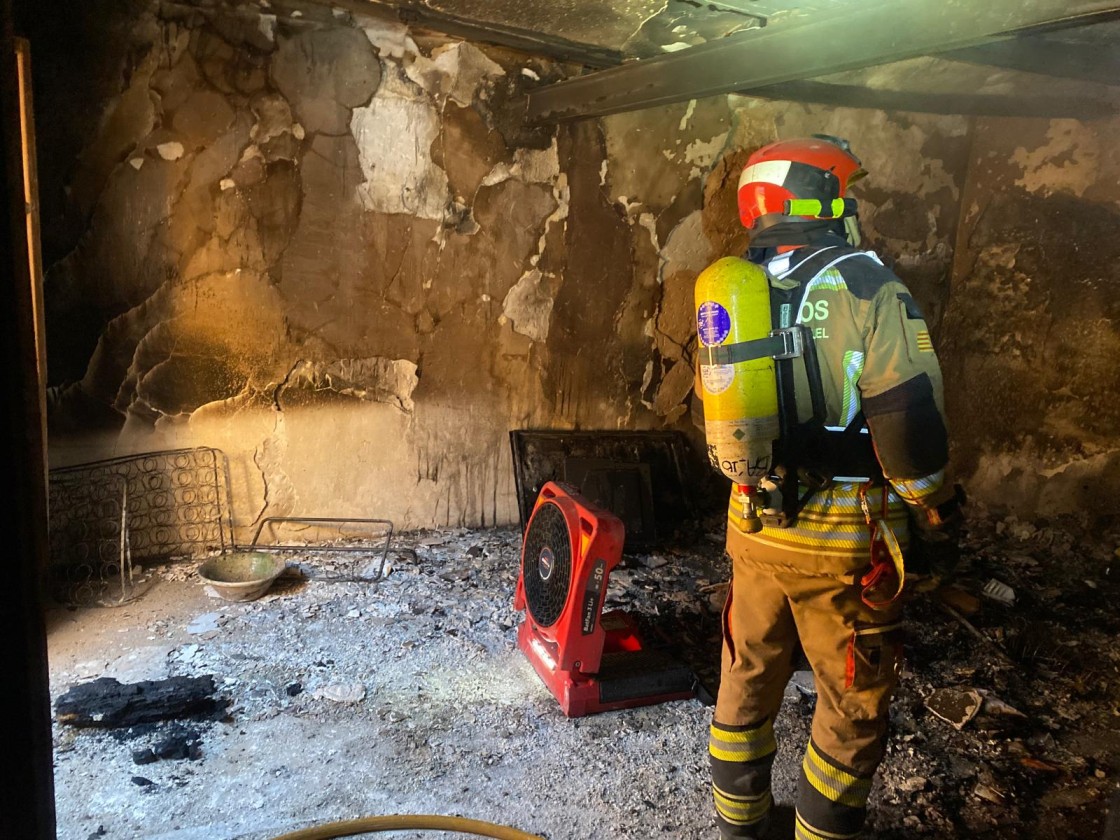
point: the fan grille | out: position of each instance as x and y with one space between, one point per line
546 564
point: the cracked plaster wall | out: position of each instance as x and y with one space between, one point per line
1033 325
325 246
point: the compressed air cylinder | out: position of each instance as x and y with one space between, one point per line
740 399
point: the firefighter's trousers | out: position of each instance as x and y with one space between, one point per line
855 653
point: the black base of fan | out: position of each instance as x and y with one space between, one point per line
646 675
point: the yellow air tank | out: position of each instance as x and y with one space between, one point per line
741 398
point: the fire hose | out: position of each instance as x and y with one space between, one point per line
400 822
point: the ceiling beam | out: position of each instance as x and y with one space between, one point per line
938 102
1096 62
489 32
415 13
861 36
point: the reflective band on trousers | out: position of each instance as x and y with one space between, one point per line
833 783
742 810
803 831
745 745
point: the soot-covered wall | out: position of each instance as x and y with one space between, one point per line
328 247
310 242
1033 327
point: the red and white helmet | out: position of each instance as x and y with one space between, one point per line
820 167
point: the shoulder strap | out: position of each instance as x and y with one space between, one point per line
795 435
821 260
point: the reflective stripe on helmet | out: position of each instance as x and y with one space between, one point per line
834 209
766 172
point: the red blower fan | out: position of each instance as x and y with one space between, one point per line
590 661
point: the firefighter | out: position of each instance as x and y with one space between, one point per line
859 478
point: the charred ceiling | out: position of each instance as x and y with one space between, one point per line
1053 58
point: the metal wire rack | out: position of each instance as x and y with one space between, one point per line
107 515
341 547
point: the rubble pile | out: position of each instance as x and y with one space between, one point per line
1037 754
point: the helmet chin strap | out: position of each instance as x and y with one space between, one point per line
852 232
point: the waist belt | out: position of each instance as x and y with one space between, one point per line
819 456
831 454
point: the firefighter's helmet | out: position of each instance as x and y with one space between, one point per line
791 187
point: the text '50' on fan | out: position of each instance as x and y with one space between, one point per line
591 661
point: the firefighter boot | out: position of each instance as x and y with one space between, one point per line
741 758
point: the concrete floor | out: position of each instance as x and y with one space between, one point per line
410 696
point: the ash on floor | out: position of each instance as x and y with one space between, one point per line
410 696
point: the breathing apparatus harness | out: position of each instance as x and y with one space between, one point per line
813 455
808 455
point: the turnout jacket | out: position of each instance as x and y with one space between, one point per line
876 357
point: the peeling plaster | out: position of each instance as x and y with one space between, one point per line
390 38
647 380
533 166
672 394
375 271
630 208
562 194
703 153
528 305
457 72
1067 163
686 248
400 176
325 73
279 496
124 123
687 115
649 222
632 140
170 151
1031 322
274 119
266 24
370 380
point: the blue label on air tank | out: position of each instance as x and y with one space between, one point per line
712 323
